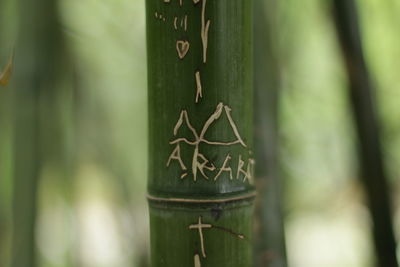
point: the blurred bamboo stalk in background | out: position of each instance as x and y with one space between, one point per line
5 173
362 98
39 64
6 22
269 232
6 135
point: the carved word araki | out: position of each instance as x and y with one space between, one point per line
200 163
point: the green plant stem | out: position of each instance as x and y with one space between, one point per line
200 130
36 126
269 232
361 94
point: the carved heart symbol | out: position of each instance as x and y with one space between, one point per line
196 1
182 47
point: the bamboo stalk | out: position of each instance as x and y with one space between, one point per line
200 130
269 231
37 68
5 174
361 95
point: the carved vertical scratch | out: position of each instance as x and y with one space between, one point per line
197 262
204 30
195 162
199 89
185 22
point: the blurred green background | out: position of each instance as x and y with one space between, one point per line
91 206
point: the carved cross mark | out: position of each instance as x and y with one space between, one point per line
200 226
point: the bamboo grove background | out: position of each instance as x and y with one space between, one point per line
76 110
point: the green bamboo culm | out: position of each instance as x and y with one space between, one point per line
37 139
201 165
269 241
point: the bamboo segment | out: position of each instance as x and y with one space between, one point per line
200 130
201 235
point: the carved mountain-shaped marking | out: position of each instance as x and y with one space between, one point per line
182 47
184 122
